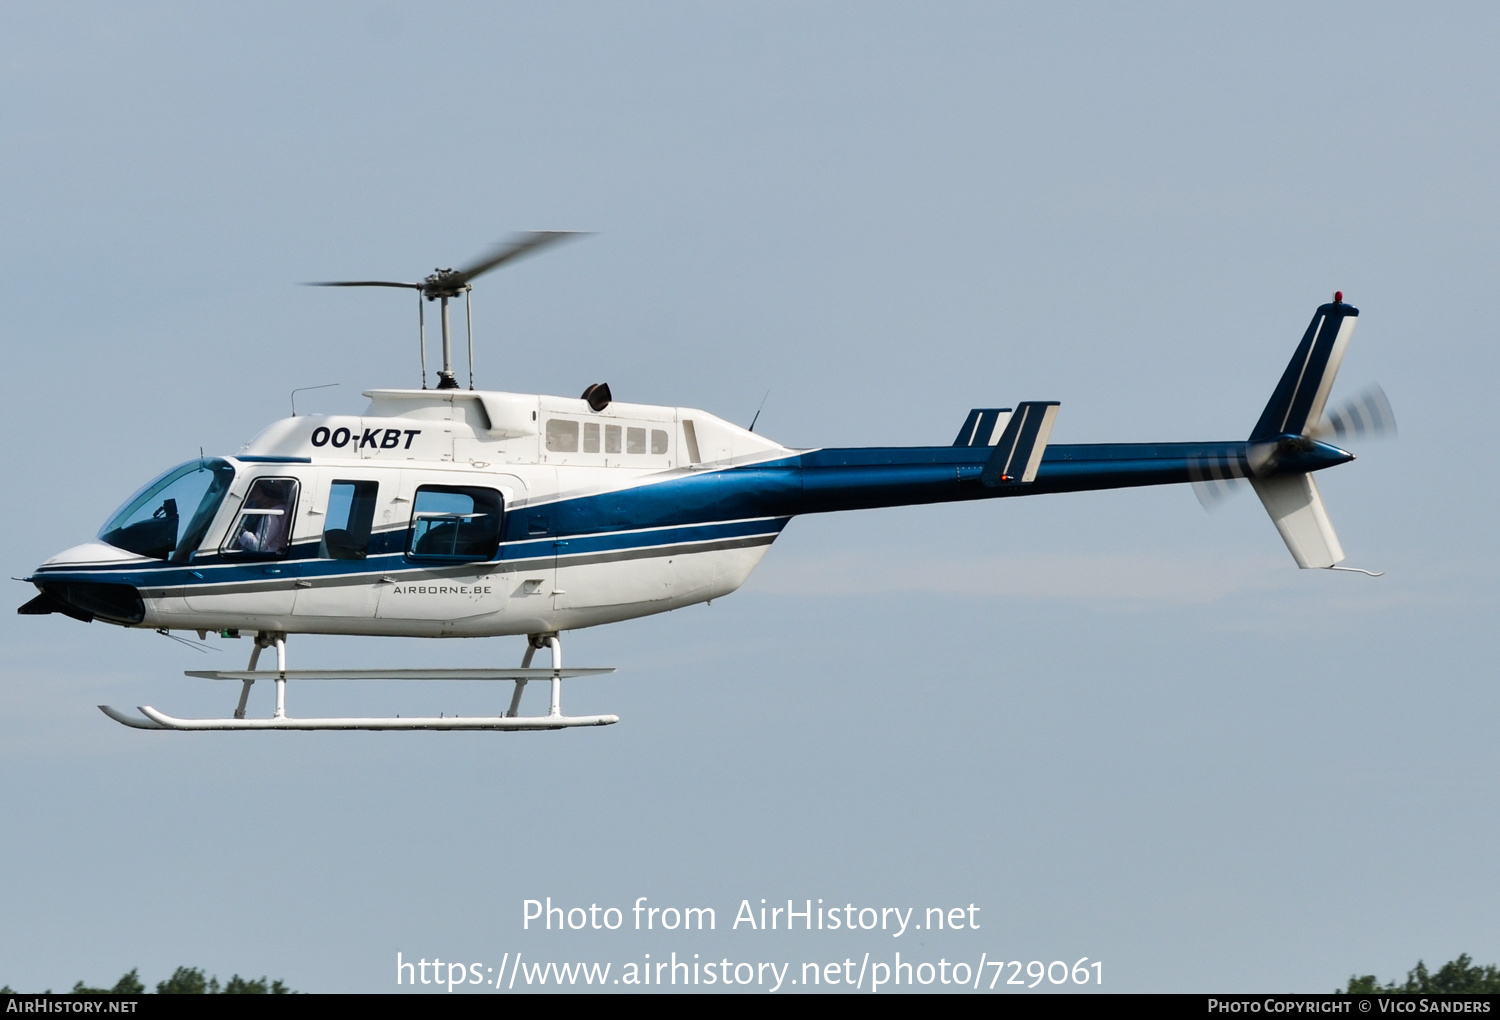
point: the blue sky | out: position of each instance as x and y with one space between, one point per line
1127 729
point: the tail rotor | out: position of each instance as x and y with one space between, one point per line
1365 416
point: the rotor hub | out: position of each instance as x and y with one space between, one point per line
444 283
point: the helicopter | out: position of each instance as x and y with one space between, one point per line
460 512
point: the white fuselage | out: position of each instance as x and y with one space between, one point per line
590 535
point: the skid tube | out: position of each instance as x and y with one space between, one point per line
152 719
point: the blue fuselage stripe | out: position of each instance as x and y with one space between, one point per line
735 504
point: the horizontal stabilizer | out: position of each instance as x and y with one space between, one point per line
1297 509
1018 453
983 426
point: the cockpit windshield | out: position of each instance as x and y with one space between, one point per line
169 517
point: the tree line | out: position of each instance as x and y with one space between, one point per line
184 981
1460 976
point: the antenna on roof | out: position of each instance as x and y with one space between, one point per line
304 389
759 409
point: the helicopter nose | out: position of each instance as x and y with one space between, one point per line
87 601
92 554
68 586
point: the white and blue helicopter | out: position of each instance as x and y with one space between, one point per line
453 512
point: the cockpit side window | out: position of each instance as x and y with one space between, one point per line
264 527
455 523
351 516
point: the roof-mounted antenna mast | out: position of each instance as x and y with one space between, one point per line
443 284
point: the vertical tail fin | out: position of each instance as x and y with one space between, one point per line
1295 409
1297 402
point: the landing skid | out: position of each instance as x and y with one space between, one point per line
155 720
151 719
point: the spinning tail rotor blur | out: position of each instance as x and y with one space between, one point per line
1366 415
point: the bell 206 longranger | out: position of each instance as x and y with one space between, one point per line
453 512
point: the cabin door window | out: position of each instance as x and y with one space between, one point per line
351 517
455 523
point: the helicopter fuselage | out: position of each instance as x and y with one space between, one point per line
458 513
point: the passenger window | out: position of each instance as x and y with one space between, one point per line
590 437
264 527
455 523
635 440
658 441
611 439
351 515
562 436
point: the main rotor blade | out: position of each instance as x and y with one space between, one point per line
366 283
523 244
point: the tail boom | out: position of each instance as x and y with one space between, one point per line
865 478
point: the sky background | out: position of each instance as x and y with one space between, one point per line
1124 728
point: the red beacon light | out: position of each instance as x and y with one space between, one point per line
1338 297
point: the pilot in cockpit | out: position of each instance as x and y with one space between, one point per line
266 518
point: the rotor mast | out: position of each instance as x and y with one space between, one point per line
444 284
439 287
